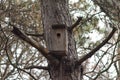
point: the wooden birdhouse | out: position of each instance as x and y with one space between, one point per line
59 42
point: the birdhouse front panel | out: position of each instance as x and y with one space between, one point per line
58 40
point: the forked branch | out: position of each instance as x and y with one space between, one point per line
85 57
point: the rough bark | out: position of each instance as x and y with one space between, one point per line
57 12
110 7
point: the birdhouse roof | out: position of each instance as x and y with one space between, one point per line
59 26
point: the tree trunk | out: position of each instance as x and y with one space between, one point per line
57 12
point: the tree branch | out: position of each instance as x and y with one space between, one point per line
85 57
38 67
33 43
24 37
36 35
75 24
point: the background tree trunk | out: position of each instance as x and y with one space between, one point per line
57 12
110 7
112 10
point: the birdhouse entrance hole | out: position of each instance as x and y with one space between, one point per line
58 35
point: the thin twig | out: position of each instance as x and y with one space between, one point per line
38 67
36 35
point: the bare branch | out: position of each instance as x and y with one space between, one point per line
85 57
24 37
36 35
75 24
38 67
33 43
